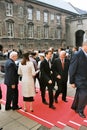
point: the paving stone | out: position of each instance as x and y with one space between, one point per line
5 118
16 115
68 128
43 128
55 128
14 126
83 128
28 123
36 127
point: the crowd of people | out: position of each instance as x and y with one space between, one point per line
49 68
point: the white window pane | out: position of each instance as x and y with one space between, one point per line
52 16
29 13
30 31
10 29
45 17
21 30
46 32
58 19
37 15
20 12
59 34
9 9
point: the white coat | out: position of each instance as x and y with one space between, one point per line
27 72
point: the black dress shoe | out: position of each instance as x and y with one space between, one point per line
8 108
81 114
52 107
17 108
46 103
73 108
65 100
56 101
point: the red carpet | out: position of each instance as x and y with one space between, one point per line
62 116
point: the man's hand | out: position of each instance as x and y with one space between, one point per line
13 86
50 81
59 76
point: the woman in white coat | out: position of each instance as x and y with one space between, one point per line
27 71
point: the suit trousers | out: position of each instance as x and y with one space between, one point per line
12 97
50 92
80 99
62 88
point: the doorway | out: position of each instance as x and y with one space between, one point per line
79 37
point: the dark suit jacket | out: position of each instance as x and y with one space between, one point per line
53 58
11 76
78 70
45 72
58 70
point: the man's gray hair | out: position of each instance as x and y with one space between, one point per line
62 52
13 53
84 39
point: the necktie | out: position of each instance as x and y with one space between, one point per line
62 61
49 63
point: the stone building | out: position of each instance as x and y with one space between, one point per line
34 24
76 29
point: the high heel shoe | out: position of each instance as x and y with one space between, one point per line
25 109
31 110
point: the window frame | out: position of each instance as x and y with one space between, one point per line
9 9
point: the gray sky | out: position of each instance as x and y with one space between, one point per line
82 4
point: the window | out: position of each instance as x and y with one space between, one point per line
45 17
58 34
9 9
58 19
38 32
52 17
30 30
21 30
30 13
52 32
46 32
10 29
20 12
37 15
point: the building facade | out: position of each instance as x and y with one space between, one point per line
29 24
76 30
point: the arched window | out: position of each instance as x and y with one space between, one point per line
46 31
10 28
30 30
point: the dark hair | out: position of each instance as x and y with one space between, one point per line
46 52
25 58
33 53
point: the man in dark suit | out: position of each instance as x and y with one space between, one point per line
78 79
60 69
54 55
46 79
11 80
